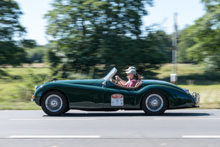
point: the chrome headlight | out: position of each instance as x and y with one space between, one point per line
196 96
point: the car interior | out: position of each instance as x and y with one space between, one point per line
115 82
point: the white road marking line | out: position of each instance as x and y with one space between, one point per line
54 136
201 136
185 118
52 119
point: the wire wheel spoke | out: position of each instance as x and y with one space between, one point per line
53 103
154 102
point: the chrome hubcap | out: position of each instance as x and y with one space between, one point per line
154 102
53 103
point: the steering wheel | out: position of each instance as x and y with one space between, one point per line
115 81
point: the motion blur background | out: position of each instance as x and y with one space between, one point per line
48 40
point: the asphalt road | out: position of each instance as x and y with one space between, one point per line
176 128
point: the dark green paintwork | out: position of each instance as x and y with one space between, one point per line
90 94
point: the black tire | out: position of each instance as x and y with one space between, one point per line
154 103
54 103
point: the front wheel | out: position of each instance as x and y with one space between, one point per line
154 103
54 103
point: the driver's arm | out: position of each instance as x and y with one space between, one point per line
120 80
123 82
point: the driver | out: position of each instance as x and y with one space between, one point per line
132 77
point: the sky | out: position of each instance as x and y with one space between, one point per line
161 13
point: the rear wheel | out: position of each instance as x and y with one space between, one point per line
54 103
154 103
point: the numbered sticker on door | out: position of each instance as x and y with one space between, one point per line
117 100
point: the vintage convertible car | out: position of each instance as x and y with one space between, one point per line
152 96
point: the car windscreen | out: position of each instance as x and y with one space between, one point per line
110 74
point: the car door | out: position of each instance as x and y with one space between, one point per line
86 97
117 97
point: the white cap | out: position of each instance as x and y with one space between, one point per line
131 67
132 70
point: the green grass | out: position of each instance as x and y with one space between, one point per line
209 95
182 70
10 87
22 71
10 95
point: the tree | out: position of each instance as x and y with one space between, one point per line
36 54
162 42
75 19
28 43
122 52
9 24
205 33
213 63
185 41
91 34
199 43
10 52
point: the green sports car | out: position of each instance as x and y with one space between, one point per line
152 96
